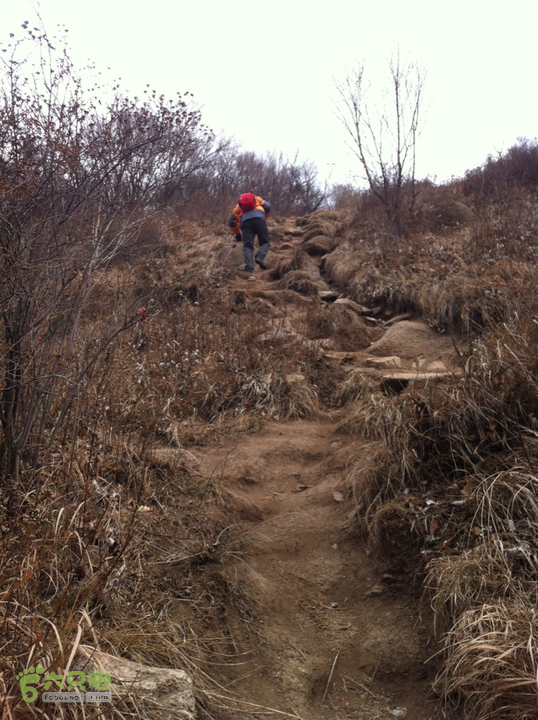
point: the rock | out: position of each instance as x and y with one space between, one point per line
328 295
374 591
295 378
388 578
171 689
235 261
449 213
418 376
408 338
437 366
359 309
398 318
384 363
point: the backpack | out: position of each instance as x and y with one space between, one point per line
247 202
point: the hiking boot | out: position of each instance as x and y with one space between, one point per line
249 270
261 264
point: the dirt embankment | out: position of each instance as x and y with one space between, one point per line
330 629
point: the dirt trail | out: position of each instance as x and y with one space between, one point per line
312 589
319 605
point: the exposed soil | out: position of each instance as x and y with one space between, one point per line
314 592
329 630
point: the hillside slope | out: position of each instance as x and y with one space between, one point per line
324 626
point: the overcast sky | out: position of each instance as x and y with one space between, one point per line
264 72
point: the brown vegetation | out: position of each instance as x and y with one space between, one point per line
117 363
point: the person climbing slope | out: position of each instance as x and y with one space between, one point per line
248 219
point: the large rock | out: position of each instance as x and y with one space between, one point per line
168 688
411 339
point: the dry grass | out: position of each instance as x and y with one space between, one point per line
490 665
451 469
87 541
353 389
107 540
299 281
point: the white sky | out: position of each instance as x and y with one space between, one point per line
264 72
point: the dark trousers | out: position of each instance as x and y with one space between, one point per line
250 229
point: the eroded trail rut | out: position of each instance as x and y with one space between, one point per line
324 629
314 593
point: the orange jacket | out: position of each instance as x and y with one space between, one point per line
237 212
260 202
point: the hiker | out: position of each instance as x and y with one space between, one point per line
248 221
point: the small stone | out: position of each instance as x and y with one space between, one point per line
398 318
295 378
383 363
436 366
388 578
359 309
374 591
418 376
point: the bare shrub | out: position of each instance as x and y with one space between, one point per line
79 184
384 139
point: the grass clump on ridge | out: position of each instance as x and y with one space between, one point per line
452 468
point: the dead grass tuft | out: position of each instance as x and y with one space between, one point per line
299 281
491 662
356 387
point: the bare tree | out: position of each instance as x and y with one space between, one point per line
383 126
77 178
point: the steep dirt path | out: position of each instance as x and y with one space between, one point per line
313 592
325 631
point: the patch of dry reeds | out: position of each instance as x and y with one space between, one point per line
491 662
356 387
86 539
452 469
